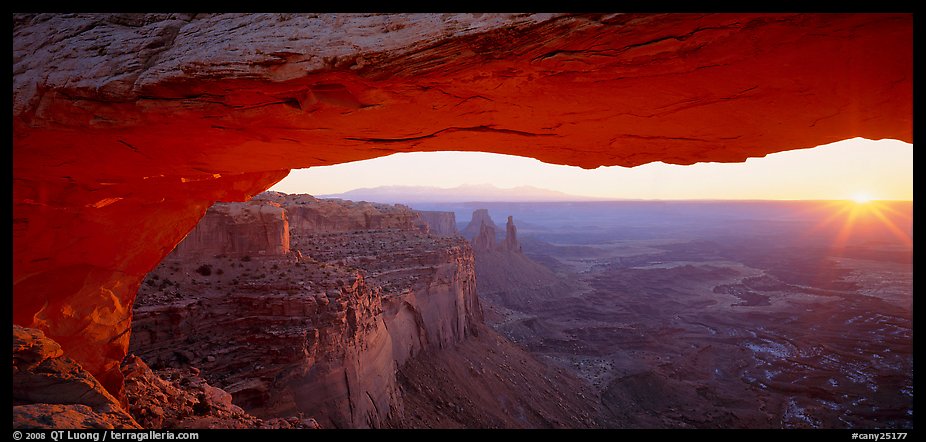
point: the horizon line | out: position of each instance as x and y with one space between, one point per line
605 199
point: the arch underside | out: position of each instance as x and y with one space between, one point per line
127 128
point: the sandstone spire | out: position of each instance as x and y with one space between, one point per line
485 240
480 217
511 236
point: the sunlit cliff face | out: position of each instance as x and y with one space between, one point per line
127 127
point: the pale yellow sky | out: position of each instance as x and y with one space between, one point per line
882 170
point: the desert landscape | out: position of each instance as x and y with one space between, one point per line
718 314
618 314
351 313
161 279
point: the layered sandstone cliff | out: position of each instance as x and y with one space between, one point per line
485 240
505 276
127 127
474 228
52 391
485 237
307 214
237 230
440 223
319 331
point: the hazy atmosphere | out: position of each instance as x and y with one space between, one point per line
175 271
849 169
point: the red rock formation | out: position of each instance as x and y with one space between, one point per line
485 240
265 340
309 332
188 401
238 230
440 223
308 214
127 127
505 276
474 228
511 236
53 391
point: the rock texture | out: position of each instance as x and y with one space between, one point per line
485 240
127 127
474 228
511 236
308 214
321 330
186 400
238 230
53 391
440 223
464 386
505 276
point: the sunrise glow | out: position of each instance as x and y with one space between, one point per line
835 171
861 198
856 216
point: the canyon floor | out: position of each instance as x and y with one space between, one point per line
616 315
720 316
349 314
489 382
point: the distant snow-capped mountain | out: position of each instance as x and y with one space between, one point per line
464 193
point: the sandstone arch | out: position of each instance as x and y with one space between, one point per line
127 127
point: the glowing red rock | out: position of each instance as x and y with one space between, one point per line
127 127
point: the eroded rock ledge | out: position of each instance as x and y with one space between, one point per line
128 127
319 329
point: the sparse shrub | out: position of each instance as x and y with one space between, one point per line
155 277
204 270
220 272
246 258
274 267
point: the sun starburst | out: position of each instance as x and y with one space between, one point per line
861 198
860 216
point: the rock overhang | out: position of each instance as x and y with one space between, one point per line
126 128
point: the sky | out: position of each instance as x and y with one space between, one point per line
848 169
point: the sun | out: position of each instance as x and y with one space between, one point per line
861 198
860 214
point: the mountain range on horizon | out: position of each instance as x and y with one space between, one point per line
463 193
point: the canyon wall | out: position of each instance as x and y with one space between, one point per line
307 214
474 228
127 127
440 223
506 277
237 230
321 330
